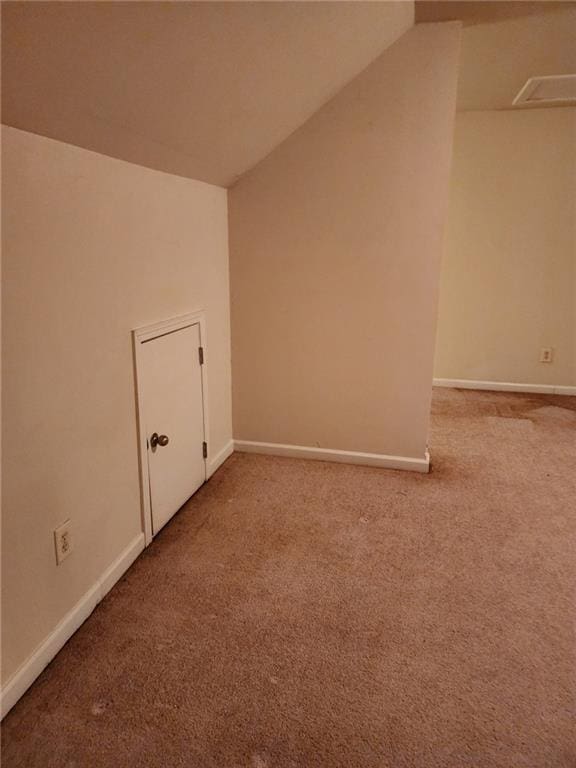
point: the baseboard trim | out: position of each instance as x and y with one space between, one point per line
505 386
329 454
565 390
23 678
220 458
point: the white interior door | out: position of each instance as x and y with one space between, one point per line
170 381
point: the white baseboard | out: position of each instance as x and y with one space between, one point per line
23 678
119 567
329 454
565 390
220 458
505 386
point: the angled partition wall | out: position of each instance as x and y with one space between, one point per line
335 246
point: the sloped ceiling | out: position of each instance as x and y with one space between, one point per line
203 90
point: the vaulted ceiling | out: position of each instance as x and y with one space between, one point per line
207 89
200 89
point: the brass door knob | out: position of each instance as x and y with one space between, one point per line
160 440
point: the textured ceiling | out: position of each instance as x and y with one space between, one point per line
203 90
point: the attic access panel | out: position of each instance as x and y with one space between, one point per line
550 89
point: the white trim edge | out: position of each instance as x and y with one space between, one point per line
220 458
505 386
565 390
524 95
329 454
23 678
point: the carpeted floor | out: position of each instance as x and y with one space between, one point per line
303 614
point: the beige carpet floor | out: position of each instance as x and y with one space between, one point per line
310 615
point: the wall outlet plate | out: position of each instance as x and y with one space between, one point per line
546 355
63 541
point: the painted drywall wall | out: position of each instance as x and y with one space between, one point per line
335 245
508 279
93 247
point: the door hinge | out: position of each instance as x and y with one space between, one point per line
201 355
205 450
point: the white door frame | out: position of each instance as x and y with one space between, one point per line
139 336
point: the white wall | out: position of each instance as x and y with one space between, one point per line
335 246
508 280
93 247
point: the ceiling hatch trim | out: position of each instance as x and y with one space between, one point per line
549 89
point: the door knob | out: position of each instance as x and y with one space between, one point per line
160 440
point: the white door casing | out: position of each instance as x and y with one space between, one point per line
171 394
